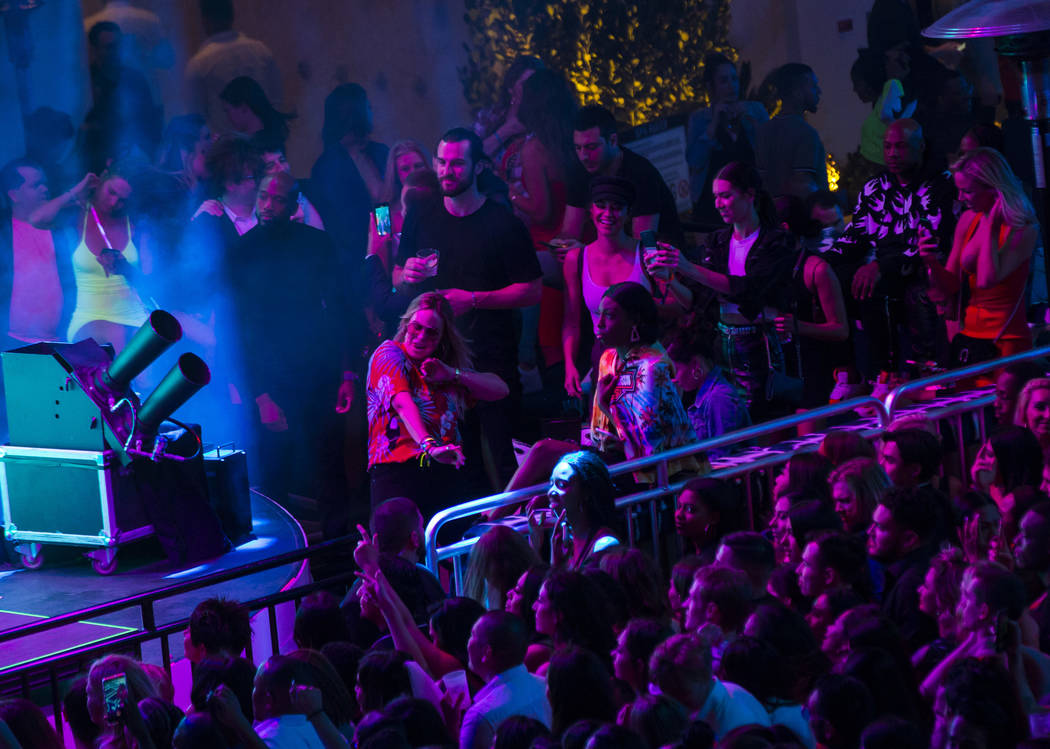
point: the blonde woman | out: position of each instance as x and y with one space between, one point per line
419 385
1033 410
407 157
991 252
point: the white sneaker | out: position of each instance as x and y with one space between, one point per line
844 390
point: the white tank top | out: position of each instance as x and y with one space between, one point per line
592 292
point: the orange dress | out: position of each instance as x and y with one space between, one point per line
998 311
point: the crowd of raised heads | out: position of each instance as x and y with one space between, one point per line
883 601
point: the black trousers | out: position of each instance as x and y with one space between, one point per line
900 328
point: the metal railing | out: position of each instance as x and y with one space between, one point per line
50 670
662 487
976 403
963 403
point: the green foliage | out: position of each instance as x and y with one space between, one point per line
641 60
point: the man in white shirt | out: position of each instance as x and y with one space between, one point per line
680 667
225 55
278 724
496 650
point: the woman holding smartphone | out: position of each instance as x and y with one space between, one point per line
991 252
612 258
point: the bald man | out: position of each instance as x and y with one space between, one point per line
294 333
877 257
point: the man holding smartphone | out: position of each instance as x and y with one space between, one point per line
486 268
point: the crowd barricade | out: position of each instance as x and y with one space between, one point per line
742 464
955 406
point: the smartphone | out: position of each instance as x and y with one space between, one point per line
382 214
114 698
648 238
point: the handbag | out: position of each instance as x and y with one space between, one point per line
782 389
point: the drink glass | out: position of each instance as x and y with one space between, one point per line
430 257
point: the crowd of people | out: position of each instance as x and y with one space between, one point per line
380 332
567 284
887 603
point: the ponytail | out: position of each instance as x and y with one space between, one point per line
745 177
766 209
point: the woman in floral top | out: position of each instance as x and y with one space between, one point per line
637 402
419 387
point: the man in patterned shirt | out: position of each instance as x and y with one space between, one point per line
877 257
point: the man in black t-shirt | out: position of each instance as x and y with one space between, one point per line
486 268
600 155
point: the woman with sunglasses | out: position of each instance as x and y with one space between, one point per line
419 387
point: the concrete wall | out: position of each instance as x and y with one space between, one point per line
406 52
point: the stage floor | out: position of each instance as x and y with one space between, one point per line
67 583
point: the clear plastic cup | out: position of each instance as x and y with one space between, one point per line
430 258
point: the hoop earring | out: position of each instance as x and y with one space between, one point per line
635 337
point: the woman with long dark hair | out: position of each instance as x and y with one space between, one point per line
252 115
418 386
581 497
537 170
706 510
499 125
572 610
748 265
720 133
1009 459
347 179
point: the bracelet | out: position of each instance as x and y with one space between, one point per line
427 444
455 378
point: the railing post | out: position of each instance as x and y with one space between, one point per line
149 622
165 654
56 704
961 441
662 481
275 638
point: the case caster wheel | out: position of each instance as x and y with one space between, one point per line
32 555
104 561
